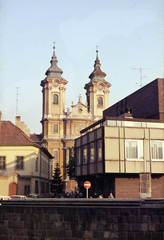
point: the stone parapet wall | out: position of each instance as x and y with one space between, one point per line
52 219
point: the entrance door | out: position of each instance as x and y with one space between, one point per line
12 189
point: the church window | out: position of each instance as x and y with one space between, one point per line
56 155
55 99
55 128
100 101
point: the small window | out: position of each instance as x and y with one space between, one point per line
36 187
19 163
92 152
2 163
134 149
85 154
47 187
99 149
56 155
36 165
26 190
157 148
55 99
78 156
55 128
100 101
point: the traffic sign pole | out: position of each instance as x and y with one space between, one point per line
87 185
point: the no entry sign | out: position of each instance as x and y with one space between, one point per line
87 184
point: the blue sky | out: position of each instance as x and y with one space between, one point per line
129 35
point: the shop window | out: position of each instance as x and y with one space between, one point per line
2 163
134 149
55 99
19 163
157 149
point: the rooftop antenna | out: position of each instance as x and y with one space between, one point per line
141 77
17 101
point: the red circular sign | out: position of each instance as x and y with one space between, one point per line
87 184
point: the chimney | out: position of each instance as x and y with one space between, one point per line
17 121
22 125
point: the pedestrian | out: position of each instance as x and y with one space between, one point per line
111 194
95 195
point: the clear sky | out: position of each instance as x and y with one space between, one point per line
129 35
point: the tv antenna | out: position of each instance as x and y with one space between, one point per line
141 77
17 101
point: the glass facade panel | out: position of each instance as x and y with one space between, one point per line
99 149
78 156
92 152
85 154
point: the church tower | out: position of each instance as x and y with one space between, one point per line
59 127
53 100
97 91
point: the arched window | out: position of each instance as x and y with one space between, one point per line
55 128
55 99
100 101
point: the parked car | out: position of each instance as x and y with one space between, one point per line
18 197
32 196
4 197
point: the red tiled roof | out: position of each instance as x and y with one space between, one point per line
36 137
12 135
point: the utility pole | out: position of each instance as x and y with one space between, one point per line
17 101
141 77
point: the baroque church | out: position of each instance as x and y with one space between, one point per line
59 127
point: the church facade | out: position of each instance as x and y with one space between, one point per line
59 127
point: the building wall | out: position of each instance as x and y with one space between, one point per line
28 175
147 102
157 186
115 135
126 187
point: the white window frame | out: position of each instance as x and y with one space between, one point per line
162 145
140 150
85 154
